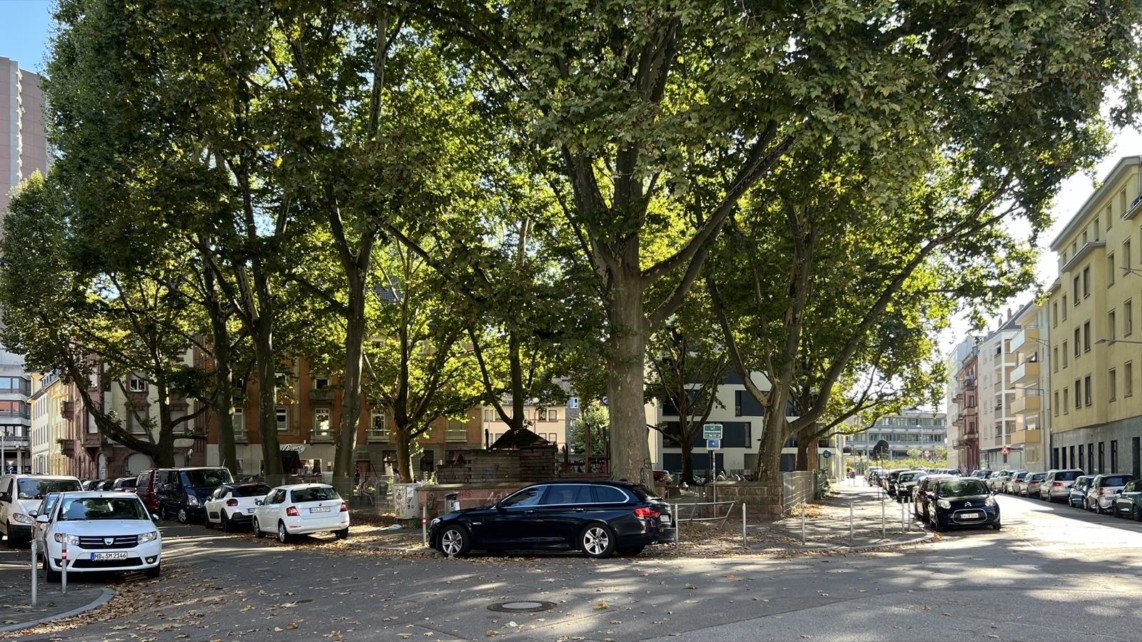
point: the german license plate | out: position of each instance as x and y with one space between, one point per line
108 556
249 511
665 519
319 509
971 515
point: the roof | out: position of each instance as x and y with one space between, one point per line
518 439
296 486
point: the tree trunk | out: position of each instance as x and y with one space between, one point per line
687 448
223 401
630 452
266 363
404 442
343 463
773 436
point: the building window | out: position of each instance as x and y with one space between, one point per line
547 414
1065 307
1086 390
738 402
1112 382
1102 457
1109 270
1114 455
321 422
489 414
1127 318
378 428
1122 202
456 431
1055 358
1111 322
135 384
1054 314
282 414
1078 341
1064 354
1056 403
1126 257
1086 337
1128 379
1075 288
1086 284
320 382
1078 394
238 418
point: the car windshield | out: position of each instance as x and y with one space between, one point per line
207 477
1115 480
251 490
1067 475
962 488
36 488
92 508
313 494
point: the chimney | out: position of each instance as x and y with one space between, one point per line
1008 314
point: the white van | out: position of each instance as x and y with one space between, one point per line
21 494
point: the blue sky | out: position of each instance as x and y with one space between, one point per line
25 26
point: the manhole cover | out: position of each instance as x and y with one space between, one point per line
521 606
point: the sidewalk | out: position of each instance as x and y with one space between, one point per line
16 610
874 521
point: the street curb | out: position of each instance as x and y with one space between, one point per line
866 548
104 596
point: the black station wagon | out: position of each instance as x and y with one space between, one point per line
597 518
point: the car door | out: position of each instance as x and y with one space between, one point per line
270 509
561 514
513 523
214 504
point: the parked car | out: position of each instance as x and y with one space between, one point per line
45 508
906 483
962 501
596 517
1077 496
22 494
232 505
145 489
182 491
1128 501
101 532
981 473
1100 495
301 509
1031 483
1057 484
922 494
124 484
890 480
92 484
997 483
1014 483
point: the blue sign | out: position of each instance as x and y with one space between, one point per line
10 469
713 444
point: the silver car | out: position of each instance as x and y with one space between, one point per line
1103 488
1056 486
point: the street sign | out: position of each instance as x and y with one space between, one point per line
1005 451
827 454
713 444
711 431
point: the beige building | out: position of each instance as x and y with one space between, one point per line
1095 351
23 146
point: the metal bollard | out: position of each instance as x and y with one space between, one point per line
677 523
744 544
902 517
34 578
882 518
802 522
63 567
424 523
850 523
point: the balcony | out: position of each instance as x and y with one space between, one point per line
324 395
67 408
1027 405
67 447
959 420
958 396
1025 437
1026 373
1026 342
969 383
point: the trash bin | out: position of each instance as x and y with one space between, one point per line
451 502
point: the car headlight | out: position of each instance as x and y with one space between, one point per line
943 503
990 502
191 500
148 537
21 518
64 538
434 522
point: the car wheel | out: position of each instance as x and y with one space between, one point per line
597 540
283 535
455 541
52 576
343 533
226 525
257 528
11 540
996 526
207 523
183 517
631 551
154 572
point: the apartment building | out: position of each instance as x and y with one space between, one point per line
1028 405
1095 415
23 144
997 423
963 405
893 436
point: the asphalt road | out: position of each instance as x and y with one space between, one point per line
1052 573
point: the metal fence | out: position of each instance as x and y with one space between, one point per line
796 487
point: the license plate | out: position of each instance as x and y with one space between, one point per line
971 515
665 519
108 556
319 509
249 511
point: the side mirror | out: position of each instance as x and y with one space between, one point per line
5 497
42 519
258 502
154 517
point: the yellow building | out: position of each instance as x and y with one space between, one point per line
1095 352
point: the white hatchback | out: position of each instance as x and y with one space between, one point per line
99 532
301 509
232 505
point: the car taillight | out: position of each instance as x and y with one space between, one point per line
1056 484
647 513
1102 491
291 511
231 502
344 507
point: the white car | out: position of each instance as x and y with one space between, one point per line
232 505
301 509
99 531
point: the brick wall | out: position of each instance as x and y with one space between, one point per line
527 465
762 499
